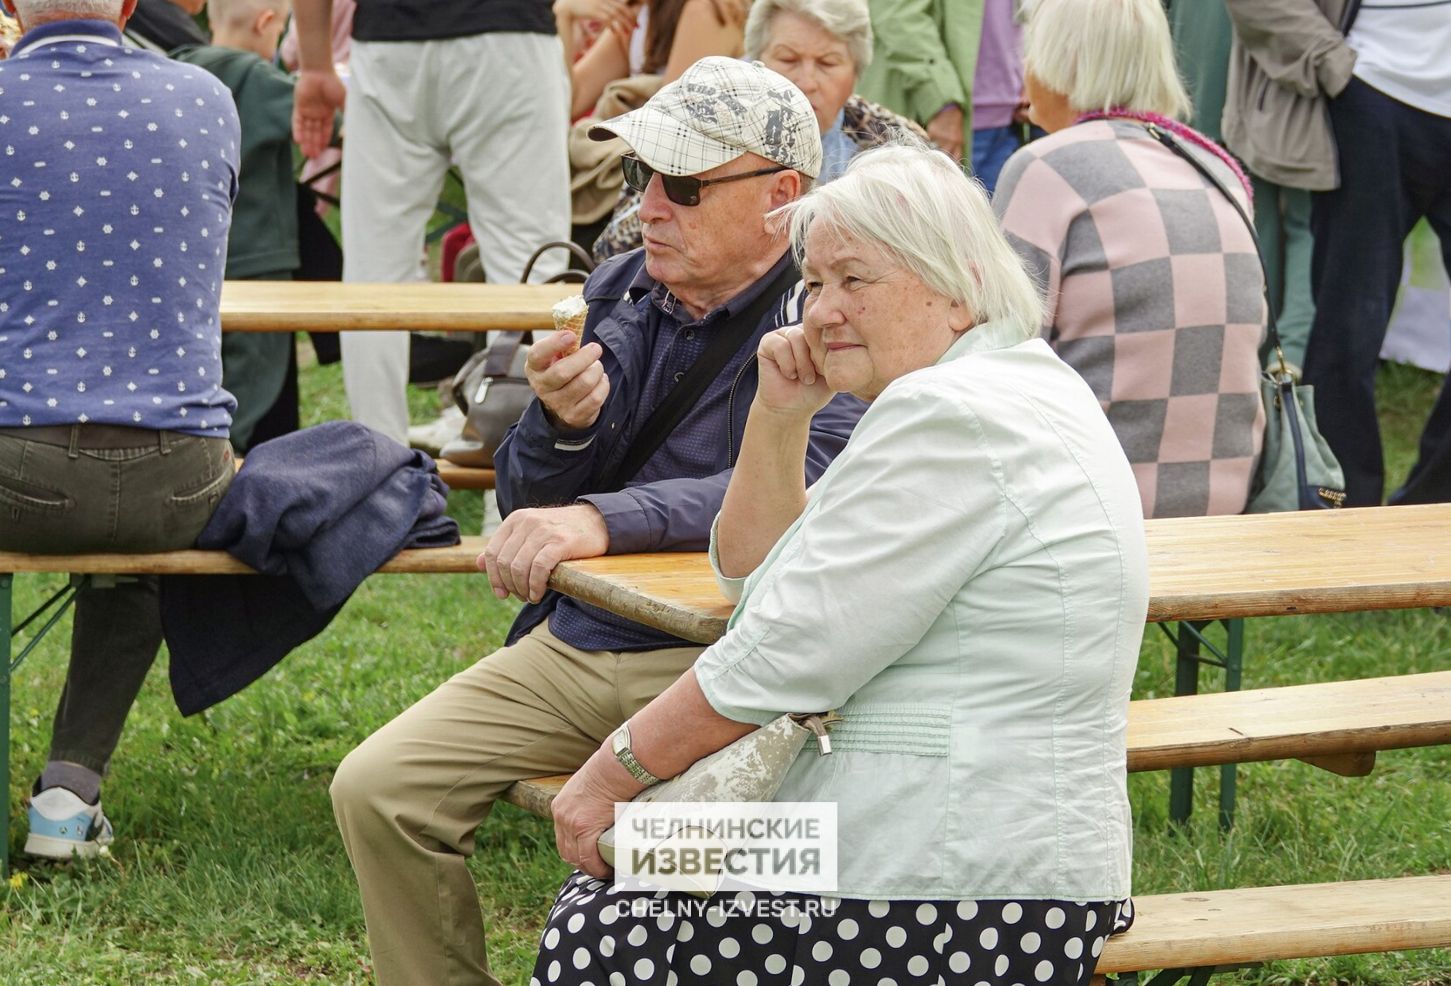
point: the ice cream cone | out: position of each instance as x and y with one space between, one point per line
571 314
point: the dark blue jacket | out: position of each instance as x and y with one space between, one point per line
541 465
315 512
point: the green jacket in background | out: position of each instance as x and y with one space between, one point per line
924 56
1202 34
263 241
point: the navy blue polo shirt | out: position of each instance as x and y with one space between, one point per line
117 173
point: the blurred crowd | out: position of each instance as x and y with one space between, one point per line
1337 113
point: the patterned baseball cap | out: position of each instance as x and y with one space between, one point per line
718 110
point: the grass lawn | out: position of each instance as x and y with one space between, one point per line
228 870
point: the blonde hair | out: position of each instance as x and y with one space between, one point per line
915 204
1106 54
849 21
241 13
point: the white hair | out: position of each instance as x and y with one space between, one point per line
1106 54
846 20
34 12
915 204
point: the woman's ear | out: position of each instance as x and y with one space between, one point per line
959 319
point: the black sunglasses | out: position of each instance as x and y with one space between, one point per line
681 189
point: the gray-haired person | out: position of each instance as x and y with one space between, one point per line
967 586
823 46
113 420
581 475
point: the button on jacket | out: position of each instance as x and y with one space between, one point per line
967 585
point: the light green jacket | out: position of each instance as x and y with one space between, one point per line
967 585
924 57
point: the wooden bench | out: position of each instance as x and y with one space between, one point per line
1190 935
457 559
1201 570
327 306
1338 726
464 477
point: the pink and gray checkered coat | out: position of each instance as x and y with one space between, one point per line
1155 295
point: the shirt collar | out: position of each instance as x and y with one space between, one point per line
988 336
664 299
55 32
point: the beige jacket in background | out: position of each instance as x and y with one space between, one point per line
1288 56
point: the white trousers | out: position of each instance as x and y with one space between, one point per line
497 106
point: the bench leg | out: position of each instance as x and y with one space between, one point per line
1188 641
1186 682
1233 667
6 582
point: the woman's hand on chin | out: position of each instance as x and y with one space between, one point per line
790 377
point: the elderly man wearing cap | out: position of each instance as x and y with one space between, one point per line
627 447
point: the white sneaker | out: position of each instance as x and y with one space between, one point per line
62 826
436 434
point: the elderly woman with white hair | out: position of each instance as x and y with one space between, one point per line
823 46
1154 289
966 586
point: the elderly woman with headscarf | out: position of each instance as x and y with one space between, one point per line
966 585
823 46
1154 289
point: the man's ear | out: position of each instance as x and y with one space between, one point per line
787 188
128 7
263 19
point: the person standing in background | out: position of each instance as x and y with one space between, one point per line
997 92
1383 71
1230 75
923 61
480 84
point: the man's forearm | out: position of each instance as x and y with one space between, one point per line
314 33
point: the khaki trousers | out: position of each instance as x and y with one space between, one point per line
409 798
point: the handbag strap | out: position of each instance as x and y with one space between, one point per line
499 357
1169 141
729 337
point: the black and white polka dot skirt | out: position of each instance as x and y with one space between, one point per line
598 935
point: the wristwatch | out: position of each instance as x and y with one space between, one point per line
620 743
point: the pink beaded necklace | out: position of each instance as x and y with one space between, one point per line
1179 130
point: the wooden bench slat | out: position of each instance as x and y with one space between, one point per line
459 558
1231 927
1291 722
1338 721
1200 568
321 306
464 477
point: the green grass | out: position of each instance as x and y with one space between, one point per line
228 869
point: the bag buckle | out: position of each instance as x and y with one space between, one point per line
818 722
483 389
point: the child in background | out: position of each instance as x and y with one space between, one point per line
259 368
